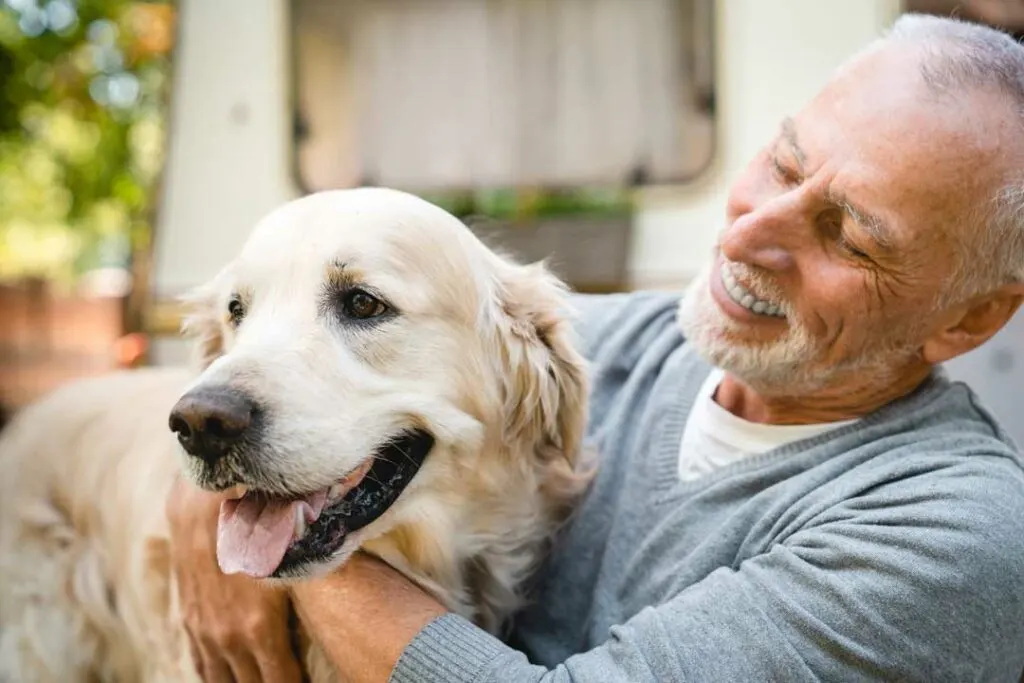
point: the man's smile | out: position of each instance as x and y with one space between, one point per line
738 301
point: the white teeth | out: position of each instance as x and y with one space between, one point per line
744 298
335 492
351 480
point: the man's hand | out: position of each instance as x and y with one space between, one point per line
363 616
237 628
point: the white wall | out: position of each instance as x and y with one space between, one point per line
229 151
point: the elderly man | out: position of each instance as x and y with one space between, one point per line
790 488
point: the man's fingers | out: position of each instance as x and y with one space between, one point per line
196 654
215 669
244 668
283 670
277 661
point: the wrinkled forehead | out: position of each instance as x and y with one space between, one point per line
412 252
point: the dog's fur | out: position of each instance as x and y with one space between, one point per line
476 350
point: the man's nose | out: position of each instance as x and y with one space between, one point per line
768 235
208 421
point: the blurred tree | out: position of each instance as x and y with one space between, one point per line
82 110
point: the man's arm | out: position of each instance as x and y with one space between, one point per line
900 583
363 616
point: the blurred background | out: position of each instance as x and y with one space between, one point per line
139 141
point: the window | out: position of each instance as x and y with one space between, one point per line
451 95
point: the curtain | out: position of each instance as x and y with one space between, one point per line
459 94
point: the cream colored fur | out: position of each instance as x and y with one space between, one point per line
479 354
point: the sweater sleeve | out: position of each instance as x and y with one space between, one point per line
920 580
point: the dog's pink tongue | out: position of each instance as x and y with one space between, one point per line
254 532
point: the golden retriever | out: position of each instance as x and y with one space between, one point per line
370 376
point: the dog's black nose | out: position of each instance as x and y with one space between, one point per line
209 421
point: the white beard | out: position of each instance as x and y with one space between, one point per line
791 363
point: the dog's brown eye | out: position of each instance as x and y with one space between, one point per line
360 305
236 310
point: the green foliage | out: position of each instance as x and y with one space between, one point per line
82 93
528 204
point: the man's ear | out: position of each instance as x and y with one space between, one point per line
545 381
973 323
202 324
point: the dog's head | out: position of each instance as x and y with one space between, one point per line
362 356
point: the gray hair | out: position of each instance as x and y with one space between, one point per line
961 56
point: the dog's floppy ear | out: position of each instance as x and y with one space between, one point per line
545 378
201 324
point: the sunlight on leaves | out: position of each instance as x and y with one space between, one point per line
82 98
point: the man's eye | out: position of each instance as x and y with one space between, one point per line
786 175
359 305
850 249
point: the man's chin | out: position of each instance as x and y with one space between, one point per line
714 336
764 365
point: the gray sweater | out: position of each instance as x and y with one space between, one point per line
892 550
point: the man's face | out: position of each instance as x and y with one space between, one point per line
841 233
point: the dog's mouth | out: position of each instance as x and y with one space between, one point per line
266 535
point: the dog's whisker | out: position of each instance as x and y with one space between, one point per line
374 479
377 457
400 450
